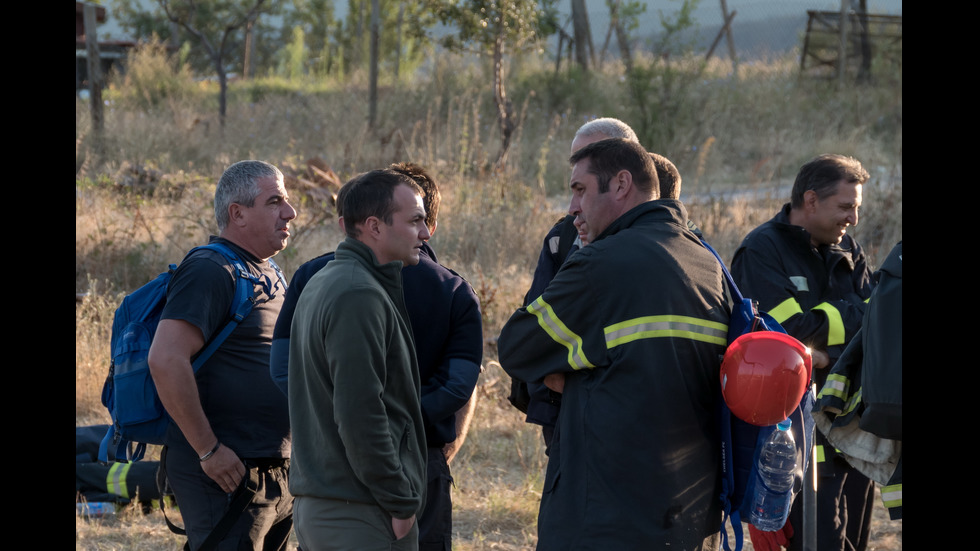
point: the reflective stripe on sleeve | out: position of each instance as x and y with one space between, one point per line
115 479
627 331
891 496
560 333
666 326
836 385
835 329
785 310
853 401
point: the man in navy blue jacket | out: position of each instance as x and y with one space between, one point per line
813 278
448 331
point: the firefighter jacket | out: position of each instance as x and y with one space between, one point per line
817 294
860 407
637 323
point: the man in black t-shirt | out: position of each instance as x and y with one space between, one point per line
228 417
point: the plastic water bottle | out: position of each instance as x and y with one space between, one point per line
774 483
96 509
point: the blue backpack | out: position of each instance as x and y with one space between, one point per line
742 441
138 416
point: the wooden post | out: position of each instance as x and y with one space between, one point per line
730 39
724 29
373 89
842 45
94 75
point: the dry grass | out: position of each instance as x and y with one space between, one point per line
147 202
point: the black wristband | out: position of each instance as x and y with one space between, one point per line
208 455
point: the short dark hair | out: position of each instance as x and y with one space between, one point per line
371 194
431 198
822 174
669 176
614 154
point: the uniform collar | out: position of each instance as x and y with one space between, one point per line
659 210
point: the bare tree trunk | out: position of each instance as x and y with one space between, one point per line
864 73
249 49
842 44
504 109
358 40
398 38
219 67
728 33
582 33
375 31
94 76
622 38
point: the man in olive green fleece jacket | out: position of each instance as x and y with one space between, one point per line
359 449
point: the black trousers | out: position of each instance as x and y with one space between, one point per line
264 525
845 501
436 520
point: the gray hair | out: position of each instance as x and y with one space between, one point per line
608 127
240 184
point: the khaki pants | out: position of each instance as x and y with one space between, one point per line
327 524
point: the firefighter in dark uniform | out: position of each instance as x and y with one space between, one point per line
630 331
814 280
860 406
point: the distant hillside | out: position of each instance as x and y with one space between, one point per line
755 39
760 27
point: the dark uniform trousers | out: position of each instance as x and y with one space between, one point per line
436 521
264 525
844 495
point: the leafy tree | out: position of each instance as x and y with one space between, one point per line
658 88
295 55
624 17
316 19
402 41
493 28
212 24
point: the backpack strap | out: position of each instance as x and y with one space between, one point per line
730 516
244 301
746 317
240 500
242 497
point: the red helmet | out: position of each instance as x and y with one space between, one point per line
764 375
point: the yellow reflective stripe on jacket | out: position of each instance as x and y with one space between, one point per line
115 479
821 456
852 402
891 496
836 385
785 310
560 333
666 326
835 331
790 307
